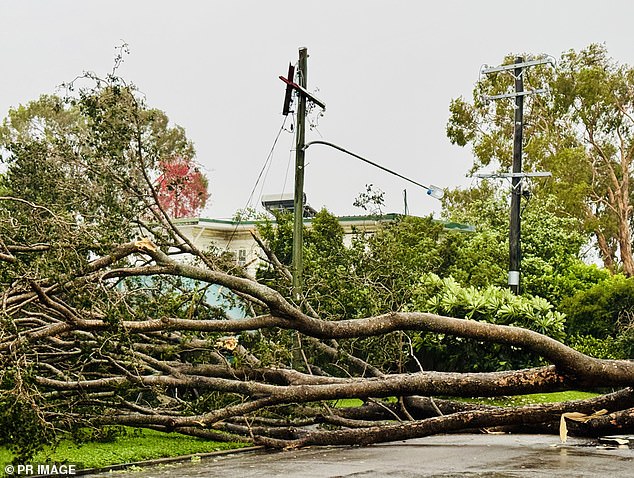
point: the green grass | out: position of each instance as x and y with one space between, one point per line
510 401
347 403
535 398
135 445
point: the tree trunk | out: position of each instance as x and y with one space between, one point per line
606 251
529 415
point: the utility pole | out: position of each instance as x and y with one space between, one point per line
515 252
300 132
516 175
298 206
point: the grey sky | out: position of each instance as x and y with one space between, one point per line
386 70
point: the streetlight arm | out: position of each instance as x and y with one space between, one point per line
433 191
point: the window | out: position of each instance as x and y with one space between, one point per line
242 257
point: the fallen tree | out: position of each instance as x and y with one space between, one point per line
100 328
77 366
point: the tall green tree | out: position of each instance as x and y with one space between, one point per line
552 245
582 132
93 157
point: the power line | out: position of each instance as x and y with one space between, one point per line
264 167
432 190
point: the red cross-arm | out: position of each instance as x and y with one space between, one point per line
302 91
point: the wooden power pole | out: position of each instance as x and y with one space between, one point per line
300 146
517 175
298 206
515 251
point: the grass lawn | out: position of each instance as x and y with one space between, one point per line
135 445
535 398
511 401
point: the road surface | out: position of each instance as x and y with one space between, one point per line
437 456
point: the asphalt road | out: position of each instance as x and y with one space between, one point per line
437 456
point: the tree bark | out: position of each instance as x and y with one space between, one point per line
528 415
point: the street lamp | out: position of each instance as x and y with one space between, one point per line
298 261
433 191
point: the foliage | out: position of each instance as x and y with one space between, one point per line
382 272
603 310
493 305
600 348
24 430
371 200
373 275
106 318
181 187
552 264
482 256
88 158
78 182
461 278
582 132
395 256
601 318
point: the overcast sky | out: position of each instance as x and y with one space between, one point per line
386 70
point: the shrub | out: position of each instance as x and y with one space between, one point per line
493 305
602 310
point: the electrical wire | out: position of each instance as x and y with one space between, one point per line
288 167
266 175
365 160
265 167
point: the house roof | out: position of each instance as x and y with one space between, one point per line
361 220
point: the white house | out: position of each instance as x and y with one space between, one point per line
235 236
